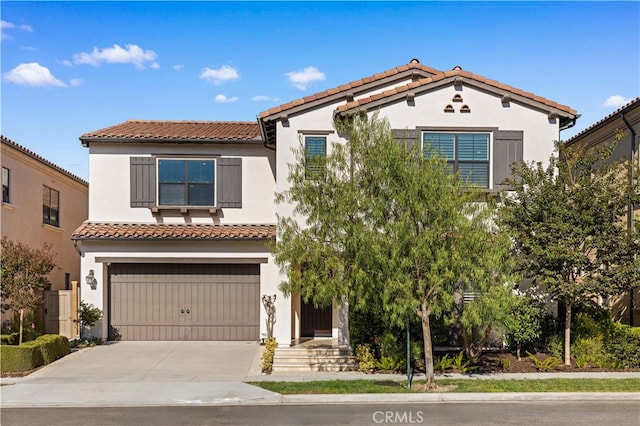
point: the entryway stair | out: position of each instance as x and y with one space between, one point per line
314 355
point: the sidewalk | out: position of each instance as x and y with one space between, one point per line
162 379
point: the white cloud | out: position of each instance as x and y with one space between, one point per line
260 98
223 99
615 101
302 79
155 65
32 74
66 63
5 25
221 75
178 67
132 54
76 82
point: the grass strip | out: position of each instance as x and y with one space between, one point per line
452 385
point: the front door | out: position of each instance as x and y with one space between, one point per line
316 322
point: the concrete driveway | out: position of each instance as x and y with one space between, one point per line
144 373
153 362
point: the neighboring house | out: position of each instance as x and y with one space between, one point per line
157 257
625 121
43 204
180 215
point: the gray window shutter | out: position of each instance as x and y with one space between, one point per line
408 137
143 181
507 149
229 182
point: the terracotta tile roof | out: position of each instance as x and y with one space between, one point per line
163 231
452 74
615 114
177 131
17 146
354 84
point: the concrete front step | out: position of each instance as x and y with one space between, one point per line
313 359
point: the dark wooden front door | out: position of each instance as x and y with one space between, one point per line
316 322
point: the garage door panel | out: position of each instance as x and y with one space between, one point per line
150 302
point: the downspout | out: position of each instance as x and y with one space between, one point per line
632 152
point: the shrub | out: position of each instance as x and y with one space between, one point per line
547 364
20 358
270 346
504 363
366 360
392 363
53 347
624 345
465 366
442 364
556 346
590 349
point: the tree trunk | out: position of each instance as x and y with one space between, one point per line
428 348
567 332
21 326
518 351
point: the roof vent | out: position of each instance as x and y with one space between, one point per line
414 61
457 68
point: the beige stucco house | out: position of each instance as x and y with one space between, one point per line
43 204
181 213
624 121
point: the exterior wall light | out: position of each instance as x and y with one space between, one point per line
91 280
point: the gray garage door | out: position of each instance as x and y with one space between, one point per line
184 302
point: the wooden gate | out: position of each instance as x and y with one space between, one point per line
57 313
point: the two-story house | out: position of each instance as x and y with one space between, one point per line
174 207
43 204
625 122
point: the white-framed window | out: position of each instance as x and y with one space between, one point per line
187 182
5 186
466 153
50 206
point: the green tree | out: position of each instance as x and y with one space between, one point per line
383 227
566 219
24 275
525 322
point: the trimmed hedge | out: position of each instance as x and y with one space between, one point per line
44 350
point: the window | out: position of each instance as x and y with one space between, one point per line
466 153
315 149
186 182
50 206
5 185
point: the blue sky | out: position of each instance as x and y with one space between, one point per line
69 68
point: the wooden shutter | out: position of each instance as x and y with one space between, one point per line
507 149
143 181
229 187
407 137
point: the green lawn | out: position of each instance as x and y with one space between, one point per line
450 385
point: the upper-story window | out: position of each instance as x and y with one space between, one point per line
5 185
466 153
315 149
50 206
186 182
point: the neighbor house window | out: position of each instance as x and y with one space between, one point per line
5 185
186 182
50 206
315 150
466 153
